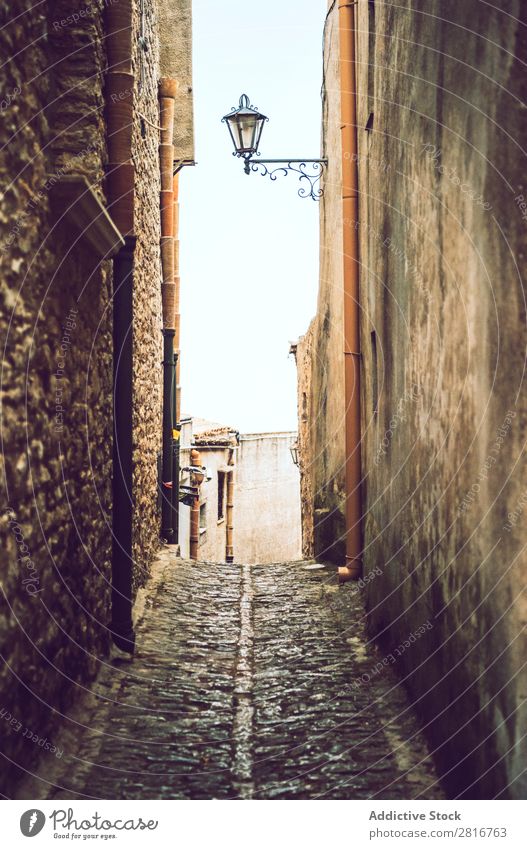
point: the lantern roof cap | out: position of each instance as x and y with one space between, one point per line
245 107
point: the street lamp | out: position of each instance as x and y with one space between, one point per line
245 125
294 453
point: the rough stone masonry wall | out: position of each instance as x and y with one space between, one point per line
442 246
148 343
55 328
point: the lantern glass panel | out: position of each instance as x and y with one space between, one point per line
247 126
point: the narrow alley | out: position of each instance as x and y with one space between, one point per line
246 683
263 414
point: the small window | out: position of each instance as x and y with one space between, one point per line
221 495
203 517
375 377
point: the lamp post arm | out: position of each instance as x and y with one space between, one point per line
299 166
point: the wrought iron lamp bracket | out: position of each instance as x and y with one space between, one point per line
181 163
299 166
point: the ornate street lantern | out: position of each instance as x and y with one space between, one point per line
245 126
294 453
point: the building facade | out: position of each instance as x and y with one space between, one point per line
441 238
241 495
267 526
81 320
208 468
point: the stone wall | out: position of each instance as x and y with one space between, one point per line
442 239
147 338
447 304
322 368
303 351
56 330
56 414
266 500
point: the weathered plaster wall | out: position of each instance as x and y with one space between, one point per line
217 458
266 500
175 26
303 351
442 245
441 123
213 540
322 369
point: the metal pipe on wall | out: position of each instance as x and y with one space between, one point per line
169 505
122 510
167 529
177 281
120 190
194 529
350 215
177 388
176 434
229 544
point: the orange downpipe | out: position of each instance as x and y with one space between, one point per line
167 94
350 215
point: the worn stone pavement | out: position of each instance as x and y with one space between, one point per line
244 685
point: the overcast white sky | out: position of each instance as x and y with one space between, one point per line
249 247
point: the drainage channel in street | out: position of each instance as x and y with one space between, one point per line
243 730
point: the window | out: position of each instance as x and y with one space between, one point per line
203 517
304 406
221 496
375 378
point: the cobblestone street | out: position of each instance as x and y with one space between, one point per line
243 686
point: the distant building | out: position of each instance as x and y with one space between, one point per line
241 496
205 523
267 524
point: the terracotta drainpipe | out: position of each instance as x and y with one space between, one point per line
169 509
350 214
229 550
195 460
120 184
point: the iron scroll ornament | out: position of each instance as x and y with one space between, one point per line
299 166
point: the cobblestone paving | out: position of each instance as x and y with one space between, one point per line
244 686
